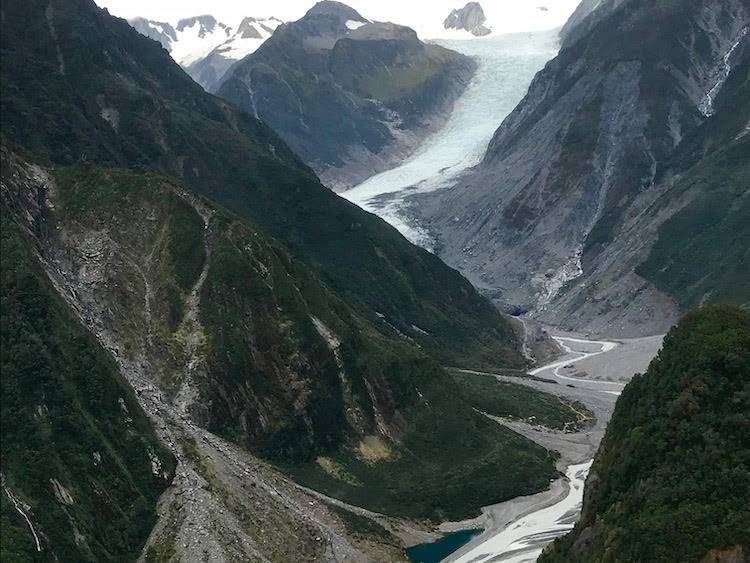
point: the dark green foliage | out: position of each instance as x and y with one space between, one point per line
671 480
512 400
258 306
62 402
361 526
169 123
446 464
703 252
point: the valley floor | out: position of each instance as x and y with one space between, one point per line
592 373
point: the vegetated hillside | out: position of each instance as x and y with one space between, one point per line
79 459
671 479
256 348
579 178
349 96
271 312
512 400
90 88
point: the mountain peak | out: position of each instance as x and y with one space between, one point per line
470 18
331 8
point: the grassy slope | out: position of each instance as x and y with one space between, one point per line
671 479
167 122
512 400
62 402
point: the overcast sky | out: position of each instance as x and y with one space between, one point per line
503 15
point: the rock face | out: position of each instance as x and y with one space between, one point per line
671 479
470 18
207 48
349 96
578 181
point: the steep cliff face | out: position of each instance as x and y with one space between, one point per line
671 479
577 180
350 97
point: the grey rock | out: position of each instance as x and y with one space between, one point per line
470 18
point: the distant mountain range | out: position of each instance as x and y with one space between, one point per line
207 48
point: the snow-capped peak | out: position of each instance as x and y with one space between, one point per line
194 39
250 34
351 24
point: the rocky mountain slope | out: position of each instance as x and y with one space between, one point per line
470 18
349 96
257 315
671 479
207 48
81 467
579 180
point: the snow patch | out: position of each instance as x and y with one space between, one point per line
706 106
352 24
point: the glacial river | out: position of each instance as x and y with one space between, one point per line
507 64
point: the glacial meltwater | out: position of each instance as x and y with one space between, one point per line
436 551
507 64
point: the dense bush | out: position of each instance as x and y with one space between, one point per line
671 480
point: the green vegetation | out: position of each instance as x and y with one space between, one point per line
432 473
485 393
321 329
361 526
671 480
703 252
67 416
374 425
